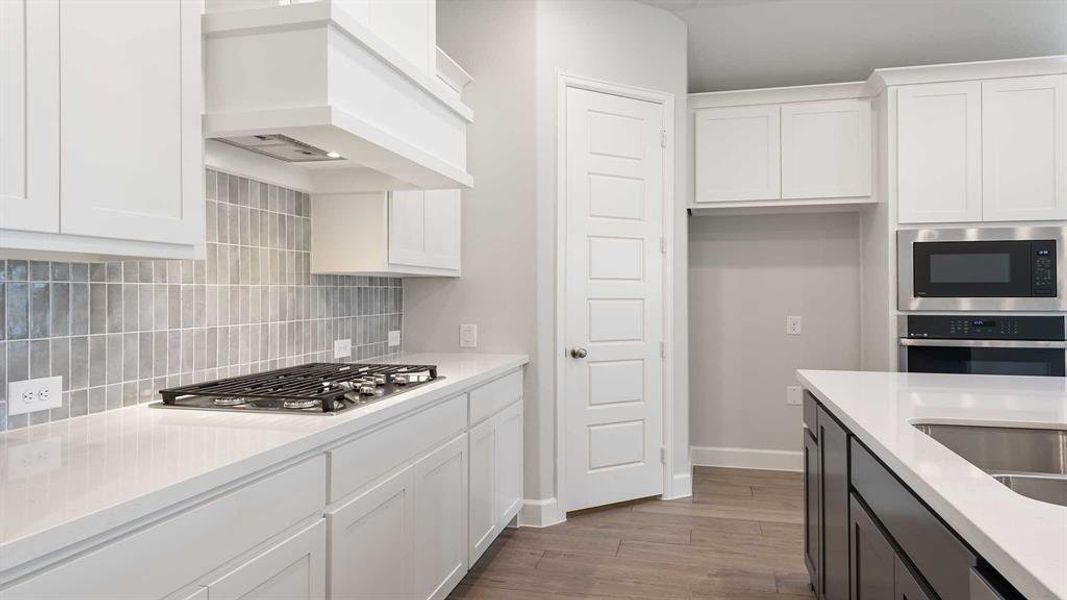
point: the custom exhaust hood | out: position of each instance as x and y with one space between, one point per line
310 85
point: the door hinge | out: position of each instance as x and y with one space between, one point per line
662 138
662 455
662 350
663 245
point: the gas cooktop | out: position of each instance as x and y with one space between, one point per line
313 388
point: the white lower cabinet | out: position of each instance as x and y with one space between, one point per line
372 542
495 477
441 520
295 569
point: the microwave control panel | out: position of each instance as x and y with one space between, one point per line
1043 268
974 327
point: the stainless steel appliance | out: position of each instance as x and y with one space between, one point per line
313 388
982 269
983 344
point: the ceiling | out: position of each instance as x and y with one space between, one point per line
744 44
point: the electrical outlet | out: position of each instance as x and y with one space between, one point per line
342 348
468 335
793 395
394 338
794 325
32 395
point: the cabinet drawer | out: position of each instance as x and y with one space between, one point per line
492 397
933 548
364 459
163 557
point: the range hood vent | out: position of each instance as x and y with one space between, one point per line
281 147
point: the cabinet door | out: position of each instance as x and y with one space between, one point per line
826 149
407 232
295 569
441 520
482 515
424 228
939 152
371 537
131 147
872 560
442 229
812 527
737 154
834 501
906 585
508 441
29 115
1024 148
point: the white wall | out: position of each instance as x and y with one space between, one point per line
753 44
746 274
620 41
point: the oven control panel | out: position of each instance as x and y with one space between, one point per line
979 327
1043 268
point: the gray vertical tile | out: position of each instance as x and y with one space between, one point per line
253 227
60 308
222 224
159 272
242 191
79 272
40 270
223 346
79 403
129 393
211 222
210 181
174 352
114 396
97 308
188 349
145 348
234 351
131 272
211 344
174 271
40 359
17 270
174 306
222 265
97 360
63 410
79 309
79 362
115 308
187 304
3 310
200 267
231 192
17 309
60 271
145 307
59 355
3 271
187 271
233 223
159 298
159 353
222 187
245 226
114 272
130 356
129 307
98 272
224 305
18 361
115 358
97 400
145 271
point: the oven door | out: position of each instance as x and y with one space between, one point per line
971 269
984 357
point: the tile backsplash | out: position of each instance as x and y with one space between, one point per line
119 331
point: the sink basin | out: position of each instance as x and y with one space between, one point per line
1030 462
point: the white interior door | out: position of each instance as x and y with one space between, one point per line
613 298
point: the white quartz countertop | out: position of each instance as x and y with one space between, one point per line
1024 539
64 482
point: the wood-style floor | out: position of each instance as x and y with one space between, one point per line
739 537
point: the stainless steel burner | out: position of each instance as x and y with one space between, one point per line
299 404
230 401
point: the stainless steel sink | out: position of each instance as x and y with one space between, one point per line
1030 462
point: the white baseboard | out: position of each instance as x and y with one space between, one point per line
681 486
540 513
747 458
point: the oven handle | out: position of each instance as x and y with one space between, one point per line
985 343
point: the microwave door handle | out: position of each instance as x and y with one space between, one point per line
1052 344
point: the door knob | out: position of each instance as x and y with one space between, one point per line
579 352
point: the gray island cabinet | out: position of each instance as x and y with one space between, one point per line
867 536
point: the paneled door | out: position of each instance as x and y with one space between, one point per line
613 298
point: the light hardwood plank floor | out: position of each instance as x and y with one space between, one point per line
739 537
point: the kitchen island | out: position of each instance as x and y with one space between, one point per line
882 477
144 502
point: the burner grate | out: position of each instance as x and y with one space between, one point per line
304 382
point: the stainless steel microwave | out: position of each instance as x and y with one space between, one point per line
982 269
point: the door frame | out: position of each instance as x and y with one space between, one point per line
666 100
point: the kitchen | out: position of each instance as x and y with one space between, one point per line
315 300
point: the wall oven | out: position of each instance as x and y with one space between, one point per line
982 269
983 344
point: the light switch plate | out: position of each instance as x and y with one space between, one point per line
794 325
468 335
342 348
32 395
793 395
394 338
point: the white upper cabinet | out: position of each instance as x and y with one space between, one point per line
1024 148
101 151
939 152
424 229
29 115
131 150
826 149
737 154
